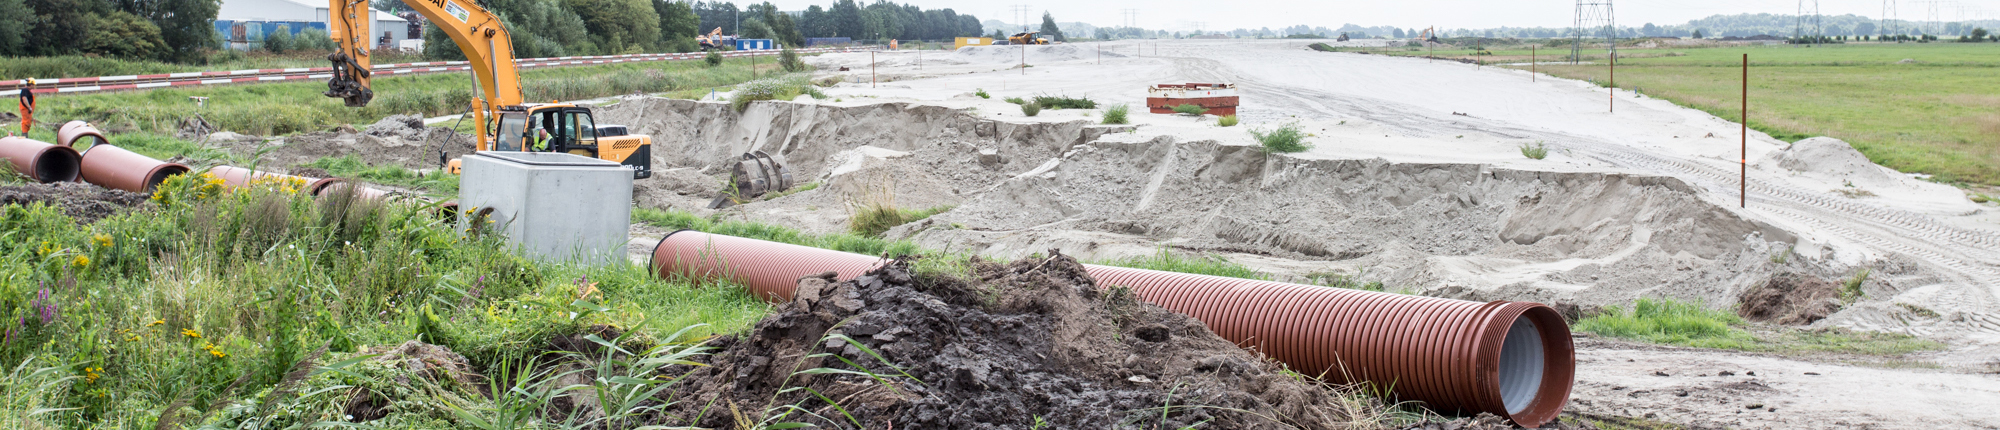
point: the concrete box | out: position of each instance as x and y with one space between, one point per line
555 206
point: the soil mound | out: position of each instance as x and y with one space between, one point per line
1030 344
85 202
398 140
1791 298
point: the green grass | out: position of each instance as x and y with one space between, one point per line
1535 150
982 94
1673 322
351 167
1065 102
1204 265
873 220
1670 322
1190 110
208 297
1015 100
79 66
1031 109
1226 121
839 242
1117 114
1938 115
284 108
1284 140
783 88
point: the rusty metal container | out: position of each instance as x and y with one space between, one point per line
40 160
1219 99
1512 359
112 167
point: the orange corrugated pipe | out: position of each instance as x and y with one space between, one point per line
1512 359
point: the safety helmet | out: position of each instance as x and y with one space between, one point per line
29 81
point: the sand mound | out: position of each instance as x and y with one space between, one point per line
1034 341
1836 159
85 202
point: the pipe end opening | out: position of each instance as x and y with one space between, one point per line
58 164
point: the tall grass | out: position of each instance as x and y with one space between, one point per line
210 305
1117 114
1190 110
1065 102
778 88
838 241
284 108
1286 139
1226 121
1535 150
874 219
81 66
1670 322
1202 265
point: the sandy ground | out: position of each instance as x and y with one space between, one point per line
1415 180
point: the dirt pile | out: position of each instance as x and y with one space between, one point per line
1030 344
85 202
1792 299
398 140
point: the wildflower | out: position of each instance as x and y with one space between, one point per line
44 307
190 333
132 338
217 353
156 322
102 240
47 248
90 374
80 262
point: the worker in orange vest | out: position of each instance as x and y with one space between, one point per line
27 100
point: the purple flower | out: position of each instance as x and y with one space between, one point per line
45 307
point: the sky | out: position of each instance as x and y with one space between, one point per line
1233 14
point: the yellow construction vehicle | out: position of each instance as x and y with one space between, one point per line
711 41
1027 39
505 123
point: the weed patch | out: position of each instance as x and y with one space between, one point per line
1670 322
1286 139
1190 110
1202 265
1535 150
1031 109
779 88
1117 114
1226 121
1064 102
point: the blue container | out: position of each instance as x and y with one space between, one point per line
754 44
817 41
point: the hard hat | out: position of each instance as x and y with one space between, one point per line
29 81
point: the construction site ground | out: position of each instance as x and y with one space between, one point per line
1416 180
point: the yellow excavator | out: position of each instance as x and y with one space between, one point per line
711 41
505 122
1027 38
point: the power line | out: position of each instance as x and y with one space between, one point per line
1888 27
1131 17
1808 18
1593 18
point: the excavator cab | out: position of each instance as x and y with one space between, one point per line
572 130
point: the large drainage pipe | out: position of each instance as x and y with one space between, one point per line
116 168
1512 359
237 177
40 160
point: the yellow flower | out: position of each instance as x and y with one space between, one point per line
132 338
47 248
156 322
102 240
80 261
90 374
217 352
190 333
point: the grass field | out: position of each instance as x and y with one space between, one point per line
1937 113
285 108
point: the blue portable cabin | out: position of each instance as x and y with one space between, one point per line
754 44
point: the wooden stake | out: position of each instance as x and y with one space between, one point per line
871 69
1531 64
1743 184
1613 94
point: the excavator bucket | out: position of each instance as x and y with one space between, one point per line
757 174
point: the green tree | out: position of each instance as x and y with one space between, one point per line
816 22
60 27
187 27
1049 28
1697 34
678 25
847 20
14 25
1979 34
619 26
122 34
781 25
755 28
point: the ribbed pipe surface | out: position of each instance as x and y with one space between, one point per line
770 270
79 132
116 168
40 160
1512 359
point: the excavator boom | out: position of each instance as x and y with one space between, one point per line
476 31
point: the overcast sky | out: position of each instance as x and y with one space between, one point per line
1232 14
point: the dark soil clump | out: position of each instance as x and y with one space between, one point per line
1791 299
85 202
1029 344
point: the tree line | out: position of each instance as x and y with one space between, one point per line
554 28
164 30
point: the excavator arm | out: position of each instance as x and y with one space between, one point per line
476 31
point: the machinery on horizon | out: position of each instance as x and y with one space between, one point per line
504 122
1028 38
714 40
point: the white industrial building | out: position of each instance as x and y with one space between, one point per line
243 22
